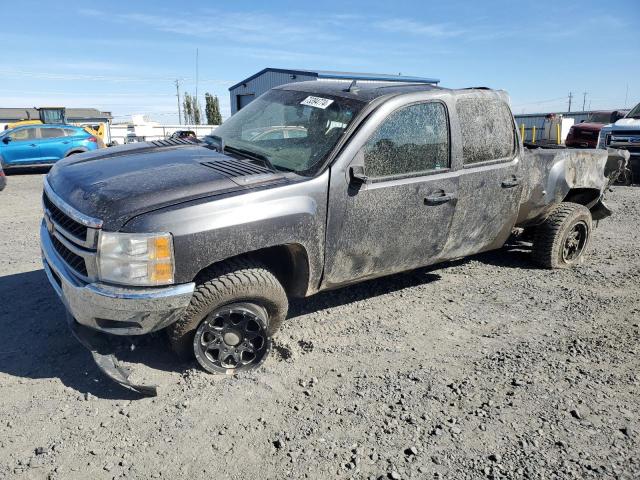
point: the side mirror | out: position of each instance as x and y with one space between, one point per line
357 175
6 140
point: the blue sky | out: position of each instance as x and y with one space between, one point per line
123 56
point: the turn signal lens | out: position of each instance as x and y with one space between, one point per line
160 248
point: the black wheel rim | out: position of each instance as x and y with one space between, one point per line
574 242
232 338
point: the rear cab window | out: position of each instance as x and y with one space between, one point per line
488 131
413 140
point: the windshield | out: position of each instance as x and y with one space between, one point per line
293 130
635 113
600 117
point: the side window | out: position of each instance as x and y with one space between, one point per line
487 129
23 134
51 132
412 139
70 132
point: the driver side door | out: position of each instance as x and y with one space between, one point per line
398 218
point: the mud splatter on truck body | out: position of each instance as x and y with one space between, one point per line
333 186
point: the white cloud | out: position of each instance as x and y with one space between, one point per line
435 30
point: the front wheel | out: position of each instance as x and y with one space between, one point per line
563 238
236 308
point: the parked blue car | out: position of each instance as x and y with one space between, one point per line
32 145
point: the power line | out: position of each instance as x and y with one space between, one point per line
539 102
113 78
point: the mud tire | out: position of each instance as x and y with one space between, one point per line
229 282
552 236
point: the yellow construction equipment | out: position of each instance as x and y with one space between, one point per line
46 115
58 115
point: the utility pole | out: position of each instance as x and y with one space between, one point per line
570 98
178 95
626 96
197 77
584 99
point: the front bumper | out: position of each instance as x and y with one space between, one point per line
111 309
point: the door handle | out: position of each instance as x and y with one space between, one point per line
66 142
33 145
439 198
511 182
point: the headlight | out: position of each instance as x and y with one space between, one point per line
136 258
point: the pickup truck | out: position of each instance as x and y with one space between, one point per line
624 134
585 134
208 241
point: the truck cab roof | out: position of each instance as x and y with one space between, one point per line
367 92
364 91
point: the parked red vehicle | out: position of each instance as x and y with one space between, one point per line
585 134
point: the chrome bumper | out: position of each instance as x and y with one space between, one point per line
111 309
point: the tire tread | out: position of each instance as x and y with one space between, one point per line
224 283
549 234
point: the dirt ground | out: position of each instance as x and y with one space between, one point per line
482 368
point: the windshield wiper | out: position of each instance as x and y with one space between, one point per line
252 156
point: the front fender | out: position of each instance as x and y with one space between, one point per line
209 232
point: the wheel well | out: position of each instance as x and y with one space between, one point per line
584 196
72 152
289 263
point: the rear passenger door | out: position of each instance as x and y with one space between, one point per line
399 218
53 144
490 179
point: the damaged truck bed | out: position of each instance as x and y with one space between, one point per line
312 186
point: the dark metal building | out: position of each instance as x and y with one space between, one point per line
242 93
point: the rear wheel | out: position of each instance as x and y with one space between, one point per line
235 310
561 241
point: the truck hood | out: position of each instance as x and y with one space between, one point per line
117 184
627 124
592 127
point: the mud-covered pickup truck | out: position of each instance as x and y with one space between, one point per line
313 186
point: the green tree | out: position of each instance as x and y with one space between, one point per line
197 111
217 116
187 107
212 109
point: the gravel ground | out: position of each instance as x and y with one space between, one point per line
481 368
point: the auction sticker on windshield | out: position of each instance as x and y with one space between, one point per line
317 102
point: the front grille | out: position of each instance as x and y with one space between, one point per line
625 133
63 221
76 262
587 134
